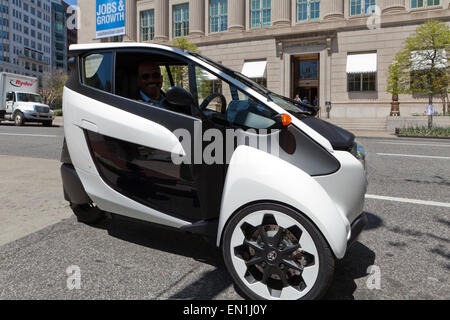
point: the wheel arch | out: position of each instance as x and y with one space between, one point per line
245 173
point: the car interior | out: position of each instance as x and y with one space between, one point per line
237 108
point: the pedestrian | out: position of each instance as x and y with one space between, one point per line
430 114
305 100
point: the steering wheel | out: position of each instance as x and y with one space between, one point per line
210 98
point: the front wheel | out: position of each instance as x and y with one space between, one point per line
273 252
47 123
18 119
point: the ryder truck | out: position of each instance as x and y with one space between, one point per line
20 102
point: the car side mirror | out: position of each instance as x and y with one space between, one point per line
178 96
282 121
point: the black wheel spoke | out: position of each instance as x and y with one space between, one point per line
266 274
290 249
253 261
253 245
283 278
292 265
278 237
263 235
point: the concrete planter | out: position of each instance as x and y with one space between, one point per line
412 122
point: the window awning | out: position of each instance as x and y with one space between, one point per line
422 60
254 69
362 63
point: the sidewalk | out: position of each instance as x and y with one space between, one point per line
374 134
27 206
58 121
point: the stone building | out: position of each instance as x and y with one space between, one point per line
333 52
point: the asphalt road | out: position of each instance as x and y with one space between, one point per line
32 140
407 242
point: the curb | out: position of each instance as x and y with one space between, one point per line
423 137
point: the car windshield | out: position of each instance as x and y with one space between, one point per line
29 97
287 104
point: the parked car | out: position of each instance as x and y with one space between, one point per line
282 199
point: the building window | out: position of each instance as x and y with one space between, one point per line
362 72
308 10
362 82
424 3
260 13
181 20
358 7
147 25
218 15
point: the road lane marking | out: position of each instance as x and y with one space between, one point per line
30 135
406 200
412 156
416 144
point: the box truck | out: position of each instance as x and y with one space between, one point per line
20 102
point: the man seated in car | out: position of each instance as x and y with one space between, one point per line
150 82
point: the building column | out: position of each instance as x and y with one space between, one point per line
130 21
282 13
332 9
161 20
392 6
196 17
236 15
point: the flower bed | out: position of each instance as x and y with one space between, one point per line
425 132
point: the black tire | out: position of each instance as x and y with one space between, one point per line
87 213
324 275
18 119
47 123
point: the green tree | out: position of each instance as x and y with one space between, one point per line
421 67
52 87
180 74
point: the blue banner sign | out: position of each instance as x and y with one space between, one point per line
110 18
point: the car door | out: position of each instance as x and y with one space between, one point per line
10 98
123 149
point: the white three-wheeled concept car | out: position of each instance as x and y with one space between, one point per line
280 192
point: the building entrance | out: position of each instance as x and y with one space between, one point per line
305 76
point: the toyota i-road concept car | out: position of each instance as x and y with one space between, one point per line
279 191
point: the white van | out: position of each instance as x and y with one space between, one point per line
20 102
173 138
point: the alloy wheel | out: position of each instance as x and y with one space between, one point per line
274 255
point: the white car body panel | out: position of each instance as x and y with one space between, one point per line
84 113
256 176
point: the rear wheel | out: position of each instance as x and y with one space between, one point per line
87 213
18 118
273 252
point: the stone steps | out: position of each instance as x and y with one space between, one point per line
360 124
